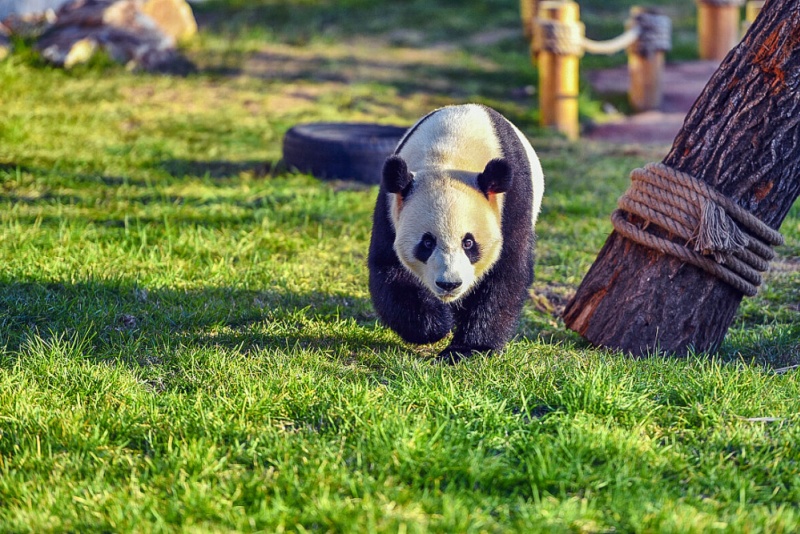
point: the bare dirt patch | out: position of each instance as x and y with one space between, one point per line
308 76
683 83
785 265
362 60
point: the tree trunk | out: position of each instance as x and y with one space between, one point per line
742 137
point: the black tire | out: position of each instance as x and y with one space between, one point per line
335 150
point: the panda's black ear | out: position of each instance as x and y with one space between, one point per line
396 177
496 177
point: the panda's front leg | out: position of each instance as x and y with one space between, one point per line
408 308
485 320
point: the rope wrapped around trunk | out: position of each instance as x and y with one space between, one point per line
721 237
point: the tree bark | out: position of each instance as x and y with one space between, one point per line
742 137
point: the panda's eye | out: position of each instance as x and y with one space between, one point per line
428 241
471 248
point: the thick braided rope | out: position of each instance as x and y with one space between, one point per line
655 33
708 222
612 46
560 38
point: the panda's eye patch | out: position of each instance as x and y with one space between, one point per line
471 248
425 247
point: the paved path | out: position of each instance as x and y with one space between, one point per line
683 83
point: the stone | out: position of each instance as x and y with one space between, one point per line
119 27
81 52
174 17
5 42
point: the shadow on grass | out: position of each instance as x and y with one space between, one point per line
217 169
123 322
447 49
119 319
408 75
177 168
298 23
78 177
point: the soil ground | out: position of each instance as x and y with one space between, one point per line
683 83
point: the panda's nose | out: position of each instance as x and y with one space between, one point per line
448 286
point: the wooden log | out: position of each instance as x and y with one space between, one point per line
717 27
742 136
558 74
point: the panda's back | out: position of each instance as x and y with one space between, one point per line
454 138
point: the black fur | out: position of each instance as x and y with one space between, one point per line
396 177
485 319
401 302
423 252
497 177
474 252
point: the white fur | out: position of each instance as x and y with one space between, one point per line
447 208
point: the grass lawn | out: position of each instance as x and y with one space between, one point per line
186 338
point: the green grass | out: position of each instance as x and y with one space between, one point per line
186 338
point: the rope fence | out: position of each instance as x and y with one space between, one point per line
648 32
615 45
558 41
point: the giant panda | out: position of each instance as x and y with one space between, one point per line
452 245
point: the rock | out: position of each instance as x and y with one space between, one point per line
29 26
174 17
119 27
81 52
5 43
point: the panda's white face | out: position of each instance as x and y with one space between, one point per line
448 234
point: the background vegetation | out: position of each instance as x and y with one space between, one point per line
186 339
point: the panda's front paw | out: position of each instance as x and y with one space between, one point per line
456 353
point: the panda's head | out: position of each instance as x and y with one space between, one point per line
447 223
